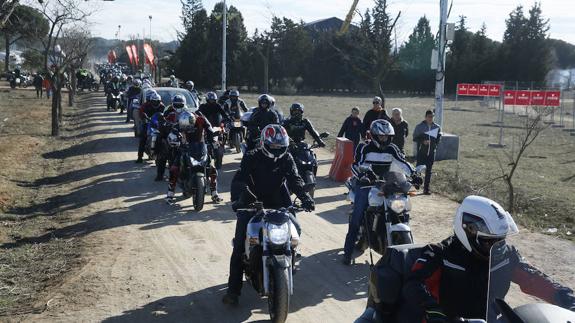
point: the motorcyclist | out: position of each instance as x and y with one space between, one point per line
224 97
134 92
174 81
235 106
450 279
193 129
296 125
189 85
263 173
380 151
112 87
169 122
261 116
147 111
212 110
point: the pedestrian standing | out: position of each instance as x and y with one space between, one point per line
401 128
48 85
352 128
427 135
38 83
376 112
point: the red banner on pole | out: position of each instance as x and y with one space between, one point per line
553 98
483 90
130 55
135 53
537 98
523 98
462 89
112 56
495 90
149 54
509 97
473 89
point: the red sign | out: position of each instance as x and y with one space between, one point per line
494 90
552 98
462 89
473 89
509 97
483 90
538 98
523 98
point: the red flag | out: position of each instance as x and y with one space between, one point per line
112 56
149 54
135 53
130 55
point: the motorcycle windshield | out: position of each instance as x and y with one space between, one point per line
396 182
505 301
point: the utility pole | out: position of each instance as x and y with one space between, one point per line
440 74
224 36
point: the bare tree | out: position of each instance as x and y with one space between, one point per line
70 54
533 127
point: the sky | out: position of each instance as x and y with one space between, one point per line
133 15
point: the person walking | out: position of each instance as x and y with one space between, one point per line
427 135
352 128
376 112
401 128
38 80
47 84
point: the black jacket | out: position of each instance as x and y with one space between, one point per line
214 113
259 119
267 179
353 129
419 136
401 132
449 278
368 154
372 115
235 108
296 129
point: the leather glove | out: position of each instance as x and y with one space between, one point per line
368 178
236 205
435 315
308 204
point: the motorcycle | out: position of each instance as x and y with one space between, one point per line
114 100
386 220
385 302
237 131
18 81
306 162
217 146
153 136
270 254
194 172
136 117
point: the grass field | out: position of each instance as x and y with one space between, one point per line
545 180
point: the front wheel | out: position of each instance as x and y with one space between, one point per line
278 300
199 194
13 84
237 142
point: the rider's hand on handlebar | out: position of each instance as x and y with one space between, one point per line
417 181
308 205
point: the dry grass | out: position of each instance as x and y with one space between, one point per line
545 181
28 267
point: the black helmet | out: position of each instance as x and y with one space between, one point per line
264 99
381 128
296 110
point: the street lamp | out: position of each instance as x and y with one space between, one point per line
150 17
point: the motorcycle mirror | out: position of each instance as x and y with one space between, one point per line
420 169
324 135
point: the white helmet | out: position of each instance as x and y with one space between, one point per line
173 140
381 127
187 121
481 222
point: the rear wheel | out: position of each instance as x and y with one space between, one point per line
278 300
199 193
115 105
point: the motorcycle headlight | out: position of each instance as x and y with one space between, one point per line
398 204
237 124
278 234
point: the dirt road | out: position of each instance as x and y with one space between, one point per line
149 261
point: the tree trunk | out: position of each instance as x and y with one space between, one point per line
55 125
510 197
7 57
72 89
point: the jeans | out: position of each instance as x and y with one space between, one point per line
428 162
360 204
